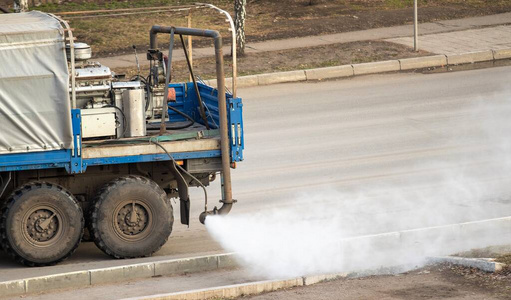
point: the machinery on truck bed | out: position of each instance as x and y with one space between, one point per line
79 147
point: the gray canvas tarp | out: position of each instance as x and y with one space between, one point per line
34 84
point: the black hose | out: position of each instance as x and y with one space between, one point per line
149 94
190 121
184 171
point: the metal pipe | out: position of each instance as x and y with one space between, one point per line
72 53
234 48
222 104
190 53
167 8
167 81
415 26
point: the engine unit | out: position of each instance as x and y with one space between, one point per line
110 108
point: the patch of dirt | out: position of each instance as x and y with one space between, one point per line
427 292
433 282
505 259
295 59
498 283
295 18
266 19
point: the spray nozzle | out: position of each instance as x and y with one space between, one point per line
204 214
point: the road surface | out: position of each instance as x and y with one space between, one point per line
371 133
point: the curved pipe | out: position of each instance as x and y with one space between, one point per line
184 31
222 108
225 209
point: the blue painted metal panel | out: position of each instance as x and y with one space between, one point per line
35 160
69 159
76 164
209 97
181 103
236 136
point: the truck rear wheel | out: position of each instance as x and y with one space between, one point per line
131 217
41 224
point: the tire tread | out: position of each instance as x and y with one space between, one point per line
93 213
4 211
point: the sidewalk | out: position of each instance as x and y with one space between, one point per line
474 40
345 37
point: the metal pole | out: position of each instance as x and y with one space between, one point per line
164 105
190 41
72 53
415 27
20 5
233 34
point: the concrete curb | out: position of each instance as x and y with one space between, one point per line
470 58
244 289
86 278
483 264
258 287
405 64
399 243
376 67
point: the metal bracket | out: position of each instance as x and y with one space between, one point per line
236 136
76 164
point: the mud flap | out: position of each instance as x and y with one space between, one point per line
184 198
185 211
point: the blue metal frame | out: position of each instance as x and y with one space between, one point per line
35 160
209 97
76 164
186 100
236 136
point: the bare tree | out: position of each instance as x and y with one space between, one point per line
20 5
239 22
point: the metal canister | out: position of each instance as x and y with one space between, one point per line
134 110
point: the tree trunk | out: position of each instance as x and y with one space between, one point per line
239 22
20 5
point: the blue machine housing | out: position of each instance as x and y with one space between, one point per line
186 101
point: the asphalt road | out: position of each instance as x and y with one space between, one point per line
373 134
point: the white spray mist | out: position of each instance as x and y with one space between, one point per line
402 223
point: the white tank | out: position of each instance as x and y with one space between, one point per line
133 102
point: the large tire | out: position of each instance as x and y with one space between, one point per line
119 232
41 224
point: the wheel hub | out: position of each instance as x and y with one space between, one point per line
42 225
132 219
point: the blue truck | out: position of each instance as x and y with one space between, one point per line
84 150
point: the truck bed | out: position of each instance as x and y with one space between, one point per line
190 143
192 139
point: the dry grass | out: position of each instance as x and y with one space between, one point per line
295 59
505 259
266 19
